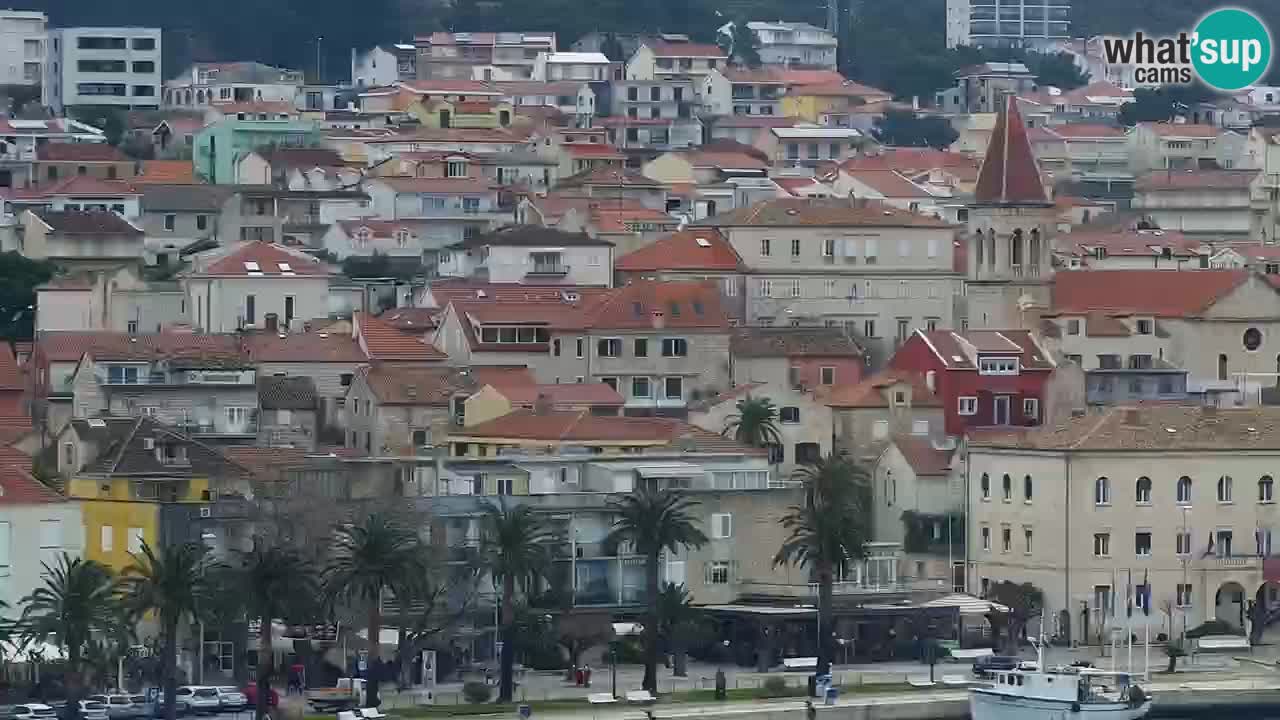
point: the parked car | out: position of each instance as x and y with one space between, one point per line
251 694
124 707
230 698
984 666
31 711
201 699
93 710
181 703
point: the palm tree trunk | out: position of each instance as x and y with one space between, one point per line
265 657
74 681
375 655
651 624
825 620
168 676
505 682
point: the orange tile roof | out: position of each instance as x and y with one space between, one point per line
613 220
684 305
436 185
11 377
19 486
869 393
575 426
591 150
704 249
726 160
272 261
401 385
82 185
79 152
383 342
1178 130
1009 174
303 347
1128 243
172 172
1161 293
563 394
685 49
820 212
922 456
889 183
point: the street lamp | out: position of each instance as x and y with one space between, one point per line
721 684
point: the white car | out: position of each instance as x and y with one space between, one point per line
33 711
93 710
230 698
200 699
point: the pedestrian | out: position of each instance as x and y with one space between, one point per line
810 712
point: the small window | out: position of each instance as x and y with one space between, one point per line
640 388
789 415
986 539
609 348
721 526
1027 536
1031 409
827 375
1142 543
1145 327
1266 489
641 347
1142 491
1184 490
1252 339
1073 327
673 388
170 222
1006 540
1102 491
1006 485
1102 544
1027 488
675 347
1224 489
986 486
968 406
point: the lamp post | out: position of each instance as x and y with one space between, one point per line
1185 557
721 684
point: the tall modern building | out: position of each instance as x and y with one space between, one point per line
22 47
116 66
1001 23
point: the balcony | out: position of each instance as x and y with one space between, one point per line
221 428
549 270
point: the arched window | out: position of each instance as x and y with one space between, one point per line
1015 248
1266 489
1184 490
1222 366
1033 253
1224 489
978 241
1007 484
991 249
1026 488
1142 491
986 486
1102 491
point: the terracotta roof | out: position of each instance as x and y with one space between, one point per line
592 150
685 49
563 394
911 161
682 305
848 88
958 351
301 158
262 259
870 393
407 385
532 236
268 463
1196 180
608 219
384 342
1144 428
798 185
17 485
79 152
1084 131
820 212
11 377
1182 130
86 222
576 426
453 135
1151 292
1009 174
445 291
411 318
80 185
792 342
889 183
303 348
726 160
704 249
437 185
608 177
177 172
377 228
69 346
922 456
1129 243
287 393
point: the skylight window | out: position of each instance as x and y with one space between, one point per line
285 267
252 266
702 242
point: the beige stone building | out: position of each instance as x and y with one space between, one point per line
1179 497
893 402
803 423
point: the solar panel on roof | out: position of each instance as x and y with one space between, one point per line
251 266
702 242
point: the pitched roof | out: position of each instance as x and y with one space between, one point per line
608 177
11 377
377 228
1150 292
301 158
1083 131
79 152
383 342
183 197
71 345
124 452
847 88
531 236
701 249
922 456
869 394
726 160
889 183
608 219
166 171
1144 428
662 48
80 185
1195 180
583 427
563 394
820 212
268 463
262 259
411 318
287 393
1129 243
436 184
17 485
641 304
1182 130
793 342
319 347
1009 174
409 385
959 351
86 222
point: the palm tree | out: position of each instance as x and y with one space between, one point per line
755 424
678 619
514 548
367 560
273 581
654 520
77 601
174 584
829 529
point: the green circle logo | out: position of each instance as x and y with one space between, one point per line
1231 49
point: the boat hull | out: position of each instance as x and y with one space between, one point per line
995 706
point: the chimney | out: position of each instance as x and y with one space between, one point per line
272 322
542 404
659 320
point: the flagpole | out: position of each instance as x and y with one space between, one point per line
1146 620
1111 631
1128 625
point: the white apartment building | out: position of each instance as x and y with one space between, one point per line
22 47
556 66
1001 23
792 43
116 66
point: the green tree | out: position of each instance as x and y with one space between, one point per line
1163 104
19 277
174 585
679 622
513 546
654 520
612 49
76 602
755 424
1024 601
1056 69
828 529
274 581
905 128
107 119
366 561
742 44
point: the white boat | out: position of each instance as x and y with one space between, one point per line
1033 693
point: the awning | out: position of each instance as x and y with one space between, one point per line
967 604
670 470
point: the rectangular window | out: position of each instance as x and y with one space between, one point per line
827 375
986 539
135 540
717 572
6 543
789 415
250 312
675 347
581 347
609 347
1027 536
202 222
641 347
904 329
1102 544
1145 327
869 328
1183 543
106 538
673 388
170 222
721 526
506 486
1031 408
1184 595
997 366
640 387
1073 327
967 406
1142 543
870 250
1006 540
795 248
50 534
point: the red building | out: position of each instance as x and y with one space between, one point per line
984 378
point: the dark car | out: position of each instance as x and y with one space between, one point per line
984 666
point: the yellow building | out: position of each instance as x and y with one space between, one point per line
483 114
125 472
815 103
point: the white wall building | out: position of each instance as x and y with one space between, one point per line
792 43
556 66
22 47
987 23
116 66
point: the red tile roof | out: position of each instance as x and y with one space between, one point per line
609 177
645 303
685 49
304 348
614 220
437 185
889 183
86 222
958 351
820 212
591 150
684 250
575 426
798 185
446 291
377 228
1009 174
411 318
563 394
271 260
1161 293
922 456
17 485
1196 180
174 172
80 185
69 346
79 152
10 374
869 394
1128 243
400 385
383 342
1181 130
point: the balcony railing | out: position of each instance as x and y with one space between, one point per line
544 269
200 429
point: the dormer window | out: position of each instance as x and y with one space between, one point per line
455 169
1145 326
402 237
998 366
362 237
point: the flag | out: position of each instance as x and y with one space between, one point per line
1111 601
1146 594
1128 595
